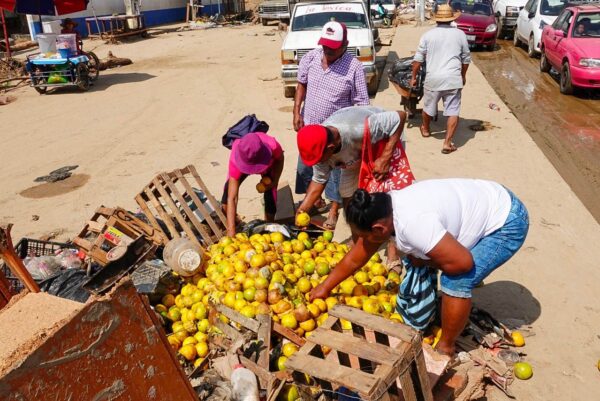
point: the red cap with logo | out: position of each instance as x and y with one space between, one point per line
312 140
333 35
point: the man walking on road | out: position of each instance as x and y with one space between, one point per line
446 51
329 79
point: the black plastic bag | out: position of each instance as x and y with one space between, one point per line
67 284
243 127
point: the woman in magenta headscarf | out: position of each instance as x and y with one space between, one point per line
254 153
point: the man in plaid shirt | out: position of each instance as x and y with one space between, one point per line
329 79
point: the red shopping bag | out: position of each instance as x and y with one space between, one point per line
400 174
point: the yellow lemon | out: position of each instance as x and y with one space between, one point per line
289 321
202 349
523 370
289 349
188 352
518 339
308 325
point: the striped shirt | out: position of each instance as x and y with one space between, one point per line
327 91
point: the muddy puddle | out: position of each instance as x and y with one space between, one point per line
51 189
566 128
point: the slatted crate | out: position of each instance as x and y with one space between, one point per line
379 359
171 199
101 233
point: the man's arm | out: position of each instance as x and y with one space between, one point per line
419 59
381 166
416 65
360 95
313 193
298 100
465 57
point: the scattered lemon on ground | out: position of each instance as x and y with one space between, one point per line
523 370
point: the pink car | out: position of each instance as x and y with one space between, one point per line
571 45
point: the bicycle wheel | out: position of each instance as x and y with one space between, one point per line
93 66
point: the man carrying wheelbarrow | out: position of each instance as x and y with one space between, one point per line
446 50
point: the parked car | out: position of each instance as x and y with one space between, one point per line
477 21
507 12
275 10
304 31
532 18
571 45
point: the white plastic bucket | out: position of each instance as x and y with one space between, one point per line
47 42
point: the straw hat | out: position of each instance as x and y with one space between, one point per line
445 13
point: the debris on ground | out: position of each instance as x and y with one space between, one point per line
57 175
110 61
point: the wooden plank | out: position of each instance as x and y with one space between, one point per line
265 379
146 211
175 211
95 226
408 390
289 334
82 243
355 346
264 335
164 215
205 213
423 375
355 380
191 216
375 323
208 194
229 331
237 317
329 323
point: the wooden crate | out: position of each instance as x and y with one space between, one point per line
168 198
378 359
105 221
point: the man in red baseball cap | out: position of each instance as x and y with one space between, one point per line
337 143
329 79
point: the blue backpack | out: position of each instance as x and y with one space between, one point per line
243 127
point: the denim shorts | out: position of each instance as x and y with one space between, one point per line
491 252
304 177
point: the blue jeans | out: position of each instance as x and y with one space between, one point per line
304 177
491 252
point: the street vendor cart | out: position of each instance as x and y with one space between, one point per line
55 71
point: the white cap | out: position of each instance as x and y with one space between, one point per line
333 35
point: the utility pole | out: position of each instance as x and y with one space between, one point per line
420 12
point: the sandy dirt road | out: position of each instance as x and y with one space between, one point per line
566 128
185 89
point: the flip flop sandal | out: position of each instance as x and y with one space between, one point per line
396 266
423 132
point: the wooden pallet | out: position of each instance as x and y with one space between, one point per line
102 227
170 197
364 360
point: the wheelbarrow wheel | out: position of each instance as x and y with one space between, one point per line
93 66
82 79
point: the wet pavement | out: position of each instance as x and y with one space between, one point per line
566 128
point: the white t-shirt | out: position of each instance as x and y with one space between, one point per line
467 209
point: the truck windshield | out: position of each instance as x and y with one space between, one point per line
314 17
552 7
475 8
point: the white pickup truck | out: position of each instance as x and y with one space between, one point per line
507 12
304 32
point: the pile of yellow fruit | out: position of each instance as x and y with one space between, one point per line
267 274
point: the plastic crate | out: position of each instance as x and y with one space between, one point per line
31 247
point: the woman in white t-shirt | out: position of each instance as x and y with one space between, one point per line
465 228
